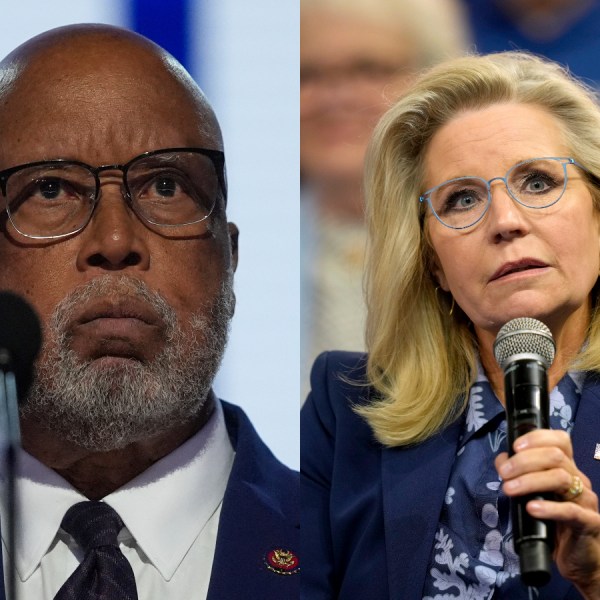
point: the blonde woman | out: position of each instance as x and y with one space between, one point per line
483 205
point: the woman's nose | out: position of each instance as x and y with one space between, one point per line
506 216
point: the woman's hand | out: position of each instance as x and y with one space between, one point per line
543 462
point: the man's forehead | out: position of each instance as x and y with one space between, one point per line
79 43
96 81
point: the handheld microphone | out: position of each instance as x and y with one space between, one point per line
524 349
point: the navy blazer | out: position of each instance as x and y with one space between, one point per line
260 515
370 513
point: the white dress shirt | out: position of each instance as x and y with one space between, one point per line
170 511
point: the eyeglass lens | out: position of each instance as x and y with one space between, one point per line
57 198
462 202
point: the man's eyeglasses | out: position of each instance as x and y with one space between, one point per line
169 188
535 183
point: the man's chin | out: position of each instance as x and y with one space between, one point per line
121 370
116 363
104 395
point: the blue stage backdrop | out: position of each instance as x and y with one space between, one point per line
245 57
167 23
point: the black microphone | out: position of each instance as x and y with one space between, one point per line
20 339
524 349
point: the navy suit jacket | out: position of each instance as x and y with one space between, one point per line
260 514
370 513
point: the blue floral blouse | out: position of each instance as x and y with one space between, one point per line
473 555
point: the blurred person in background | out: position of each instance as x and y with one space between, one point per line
356 58
563 30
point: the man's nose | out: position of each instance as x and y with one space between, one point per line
115 238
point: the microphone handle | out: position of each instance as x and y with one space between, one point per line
9 422
527 409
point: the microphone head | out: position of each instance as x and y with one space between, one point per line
524 335
20 339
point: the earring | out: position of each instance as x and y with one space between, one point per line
451 311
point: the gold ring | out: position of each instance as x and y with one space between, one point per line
575 490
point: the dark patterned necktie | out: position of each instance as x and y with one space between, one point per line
104 574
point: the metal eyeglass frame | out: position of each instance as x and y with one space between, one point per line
569 161
216 156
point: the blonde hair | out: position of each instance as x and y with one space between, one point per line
422 359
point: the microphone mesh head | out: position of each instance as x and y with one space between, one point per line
524 336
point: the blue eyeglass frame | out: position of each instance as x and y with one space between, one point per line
569 161
217 157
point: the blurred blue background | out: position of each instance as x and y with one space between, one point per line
245 56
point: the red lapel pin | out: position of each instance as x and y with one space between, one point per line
282 562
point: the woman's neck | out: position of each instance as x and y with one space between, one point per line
569 335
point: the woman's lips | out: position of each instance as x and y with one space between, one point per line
518 266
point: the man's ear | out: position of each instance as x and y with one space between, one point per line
233 243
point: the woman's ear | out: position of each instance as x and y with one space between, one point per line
438 274
433 265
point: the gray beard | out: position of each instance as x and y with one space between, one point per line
103 409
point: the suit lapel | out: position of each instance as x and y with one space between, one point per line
586 432
260 515
414 485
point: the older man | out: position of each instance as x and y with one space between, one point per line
114 229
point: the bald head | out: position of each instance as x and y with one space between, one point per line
81 87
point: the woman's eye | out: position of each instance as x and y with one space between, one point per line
465 201
461 200
537 184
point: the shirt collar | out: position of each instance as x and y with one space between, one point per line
484 409
43 498
185 488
